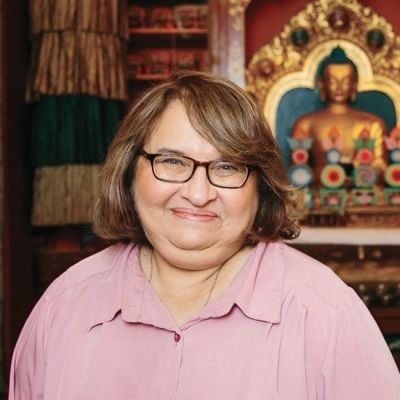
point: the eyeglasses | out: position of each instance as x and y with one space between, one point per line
179 169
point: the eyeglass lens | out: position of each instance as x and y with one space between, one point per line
180 169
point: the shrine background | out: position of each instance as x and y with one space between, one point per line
30 256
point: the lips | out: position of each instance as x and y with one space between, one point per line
340 94
194 215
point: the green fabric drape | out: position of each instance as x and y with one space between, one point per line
73 129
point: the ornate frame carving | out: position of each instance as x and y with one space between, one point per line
291 60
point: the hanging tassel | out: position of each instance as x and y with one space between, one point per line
78 47
77 82
101 16
65 195
83 62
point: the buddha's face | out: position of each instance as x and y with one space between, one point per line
339 83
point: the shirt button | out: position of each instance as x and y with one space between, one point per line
177 337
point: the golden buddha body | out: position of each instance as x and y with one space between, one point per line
339 121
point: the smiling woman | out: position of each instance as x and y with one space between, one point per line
217 112
199 298
193 224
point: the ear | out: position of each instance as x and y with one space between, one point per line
321 90
353 94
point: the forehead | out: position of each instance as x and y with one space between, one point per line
174 130
339 71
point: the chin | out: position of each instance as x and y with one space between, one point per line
192 243
340 99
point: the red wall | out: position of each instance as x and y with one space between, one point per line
266 18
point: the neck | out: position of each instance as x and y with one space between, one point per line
170 280
184 292
338 108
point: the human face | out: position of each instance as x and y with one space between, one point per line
339 81
193 219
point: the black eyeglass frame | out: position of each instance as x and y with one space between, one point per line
152 156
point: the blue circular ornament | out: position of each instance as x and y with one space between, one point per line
333 156
394 156
300 175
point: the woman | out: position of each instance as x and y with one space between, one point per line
199 298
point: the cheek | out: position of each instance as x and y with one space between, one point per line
147 191
244 205
142 187
151 196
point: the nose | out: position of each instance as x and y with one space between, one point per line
198 190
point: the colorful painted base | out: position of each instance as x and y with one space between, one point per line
391 196
334 199
364 197
303 199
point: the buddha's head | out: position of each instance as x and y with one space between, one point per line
337 78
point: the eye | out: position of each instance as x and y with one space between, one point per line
228 168
172 162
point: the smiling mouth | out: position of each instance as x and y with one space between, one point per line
194 215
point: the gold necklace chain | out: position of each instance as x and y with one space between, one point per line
210 292
213 285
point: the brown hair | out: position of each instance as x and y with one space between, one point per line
228 118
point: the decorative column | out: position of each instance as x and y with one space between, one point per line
227 36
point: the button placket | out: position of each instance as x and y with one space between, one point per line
177 337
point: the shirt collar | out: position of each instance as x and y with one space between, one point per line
107 291
261 295
124 289
257 290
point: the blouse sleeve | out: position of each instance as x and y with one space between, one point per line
28 361
358 364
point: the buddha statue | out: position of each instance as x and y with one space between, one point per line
337 79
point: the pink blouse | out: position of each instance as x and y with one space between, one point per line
287 328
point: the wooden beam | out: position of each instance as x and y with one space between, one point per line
15 135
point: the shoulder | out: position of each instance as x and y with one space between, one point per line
91 270
307 121
311 296
310 281
370 118
303 122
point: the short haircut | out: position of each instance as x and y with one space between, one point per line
228 118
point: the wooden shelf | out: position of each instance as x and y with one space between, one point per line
148 77
349 236
185 40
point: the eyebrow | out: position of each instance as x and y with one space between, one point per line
165 150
